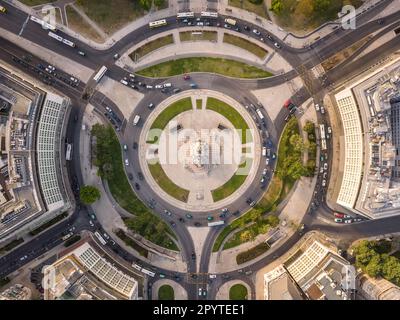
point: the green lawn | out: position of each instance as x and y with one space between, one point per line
230 113
255 6
111 17
167 184
76 23
228 187
204 36
151 46
11 245
109 161
130 242
225 67
166 292
245 44
303 15
238 292
199 104
171 112
32 3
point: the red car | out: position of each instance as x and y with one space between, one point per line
186 77
338 215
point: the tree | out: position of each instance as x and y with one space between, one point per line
309 127
246 235
159 3
374 267
297 142
276 6
89 194
146 4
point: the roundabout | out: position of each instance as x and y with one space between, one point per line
200 150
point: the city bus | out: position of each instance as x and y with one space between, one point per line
185 15
148 272
216 223
206 14
101 239
322 130
55 36
158 23
230 21
44 24
136 266
68 43
323 144
100 74
69 152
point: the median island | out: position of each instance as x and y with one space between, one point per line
226 67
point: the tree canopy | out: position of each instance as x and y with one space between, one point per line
89 194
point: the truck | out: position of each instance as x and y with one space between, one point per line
230 21
136 120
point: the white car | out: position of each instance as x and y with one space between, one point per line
159 86
321 170
277 45
167 85
329 130
337 220
348 221
325 166
51 67
267 161
91 223
317 106
149 87
200 292
256 32
213 276
265 171
324 183
322 110
264 151
126 162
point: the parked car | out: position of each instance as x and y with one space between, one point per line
338 220
188 215
255 31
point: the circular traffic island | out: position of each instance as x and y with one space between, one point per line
199 150
238 292
166 292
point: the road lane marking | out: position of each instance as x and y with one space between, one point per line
24 25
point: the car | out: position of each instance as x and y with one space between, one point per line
116 56
200 23
324 183
321 170
249 272
81 53
225 210
176 90
91 223
159 86
328 136
188 215
2 9
200 292
193 255
325 166
338 220
277 45
125 147
135 145
140 175
273 156
137 186
150 106
186 77
321 158
338 215
172 223
265 171
381 21
348 221
322 110
204 292
325 175
106 236
267 161
249 200
329 130
227 26
213 276
357 220
126 162
51 67
197 224
222 215
193 85
210 218
162 275
317 107
149 86
130 176
168 213
263 180
181 220
347 216
255 31
23 258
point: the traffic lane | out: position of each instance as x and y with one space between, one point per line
13 20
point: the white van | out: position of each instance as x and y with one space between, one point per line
136 120
124 82
167 85
264 151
